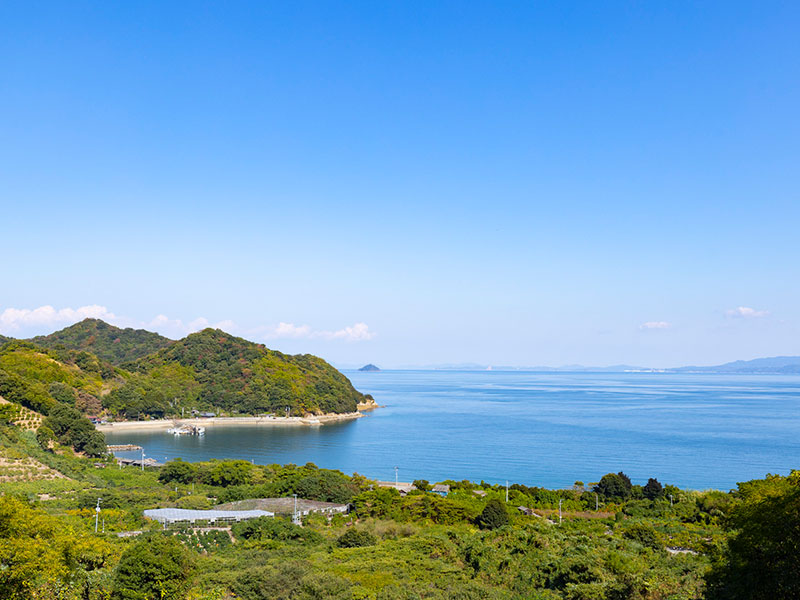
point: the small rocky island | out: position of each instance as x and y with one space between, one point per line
369 367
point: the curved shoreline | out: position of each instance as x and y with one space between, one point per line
221 421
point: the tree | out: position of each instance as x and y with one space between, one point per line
62 393
72 429
178 471
614 486
762 560
653 489
229 472
156 568
493 515
422 484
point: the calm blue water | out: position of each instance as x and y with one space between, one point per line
547 429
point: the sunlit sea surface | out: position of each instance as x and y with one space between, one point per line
546 429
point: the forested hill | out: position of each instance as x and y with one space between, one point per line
215 370
105 341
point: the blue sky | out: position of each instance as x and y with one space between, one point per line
408 183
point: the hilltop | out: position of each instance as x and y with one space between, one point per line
213 369
208 370
114 344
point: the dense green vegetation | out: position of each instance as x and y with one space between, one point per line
468 545
105 341
134 374
212 369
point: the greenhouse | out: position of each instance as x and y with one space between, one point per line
167 516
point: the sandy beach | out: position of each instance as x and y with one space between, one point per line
221 421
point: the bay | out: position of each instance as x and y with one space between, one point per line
548 429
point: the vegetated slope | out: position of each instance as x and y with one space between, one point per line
38 378
105 341
62 384
214 369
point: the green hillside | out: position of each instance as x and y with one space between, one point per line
39 378
156 377
105 341
212 369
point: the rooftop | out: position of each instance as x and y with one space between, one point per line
175 515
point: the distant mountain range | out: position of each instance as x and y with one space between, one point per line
776 364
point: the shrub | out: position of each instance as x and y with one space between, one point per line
356 538
493 515
157 567
644 534
270 528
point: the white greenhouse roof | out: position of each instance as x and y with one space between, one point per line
172 515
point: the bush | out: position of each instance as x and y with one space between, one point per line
494 515
356 538
270 528
156 568
644 534
193 502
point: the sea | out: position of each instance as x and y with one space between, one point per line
696 431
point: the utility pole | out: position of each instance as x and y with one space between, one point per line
670 500
506 491
97 516
295 518
142 459
396 484
560 500
596 503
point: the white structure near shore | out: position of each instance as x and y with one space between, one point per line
169 516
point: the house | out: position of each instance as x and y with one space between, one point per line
480 493
441 489
400 486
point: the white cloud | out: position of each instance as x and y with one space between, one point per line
177 328
655 325
290 330
745 312
46 318
355 333
14 319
